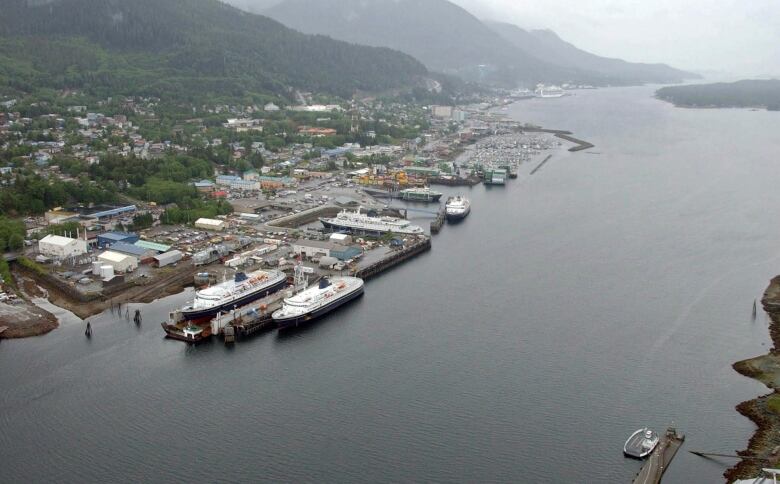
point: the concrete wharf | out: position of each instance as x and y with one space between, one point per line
655 466
394 259
437 224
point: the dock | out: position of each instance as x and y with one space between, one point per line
438 222
540 165
249 319
394 259
653 469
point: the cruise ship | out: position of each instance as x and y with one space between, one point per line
457 208
317 300
424 194
549 91
228 295
360 223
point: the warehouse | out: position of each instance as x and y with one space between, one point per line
316 248
110 238
210 224
120 262
59 247
159 248
140 253
168 258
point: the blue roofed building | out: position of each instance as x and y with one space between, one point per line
109 239
141 253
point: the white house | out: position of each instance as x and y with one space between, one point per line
59 247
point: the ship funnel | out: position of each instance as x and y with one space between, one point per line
324 282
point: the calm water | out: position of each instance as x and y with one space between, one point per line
611 290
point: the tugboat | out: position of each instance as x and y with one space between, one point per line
640 444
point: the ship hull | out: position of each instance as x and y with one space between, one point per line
207 314
425 199
361 231
455 217
299 320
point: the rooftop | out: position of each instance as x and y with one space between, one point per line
112 256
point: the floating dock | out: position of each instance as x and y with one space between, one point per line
655 466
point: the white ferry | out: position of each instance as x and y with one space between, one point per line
317 300
549 91
228 295
360 223
457 208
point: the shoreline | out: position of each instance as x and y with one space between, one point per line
763 411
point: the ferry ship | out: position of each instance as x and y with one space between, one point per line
228 295
360 223
457 208
317 300
549 91
424 194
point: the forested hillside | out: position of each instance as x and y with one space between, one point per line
186 48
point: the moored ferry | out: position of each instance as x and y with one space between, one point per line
360 223
422 194
457 208
317 300
228 295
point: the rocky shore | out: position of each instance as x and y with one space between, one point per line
764 411
25 319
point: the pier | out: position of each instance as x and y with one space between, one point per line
655 466
437 224
394 259
539 166
564 135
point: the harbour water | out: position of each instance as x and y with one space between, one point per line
611 290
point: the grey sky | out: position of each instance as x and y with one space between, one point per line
736 37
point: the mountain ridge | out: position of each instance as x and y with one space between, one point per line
112 44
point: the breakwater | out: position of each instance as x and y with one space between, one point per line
564 135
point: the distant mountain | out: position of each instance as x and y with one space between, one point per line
546 45
182 48
740 94
443 36
447 38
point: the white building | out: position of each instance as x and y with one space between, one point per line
59 247
120 262
210 224
444 112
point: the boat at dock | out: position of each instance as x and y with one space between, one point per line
421 194
189 333
231 294
641 443
457 208
361 223
317 300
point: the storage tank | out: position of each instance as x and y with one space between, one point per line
96 268
106 272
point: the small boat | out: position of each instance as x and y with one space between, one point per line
641 443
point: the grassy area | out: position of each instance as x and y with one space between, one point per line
5 274
773 403
31 265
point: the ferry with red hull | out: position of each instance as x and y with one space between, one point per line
228 295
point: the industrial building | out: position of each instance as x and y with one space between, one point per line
159 248
108 239
168 258
59 247
210 224
140 253
120 262
316 248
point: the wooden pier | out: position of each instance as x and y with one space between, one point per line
655 466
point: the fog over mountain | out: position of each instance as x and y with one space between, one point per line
712 36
